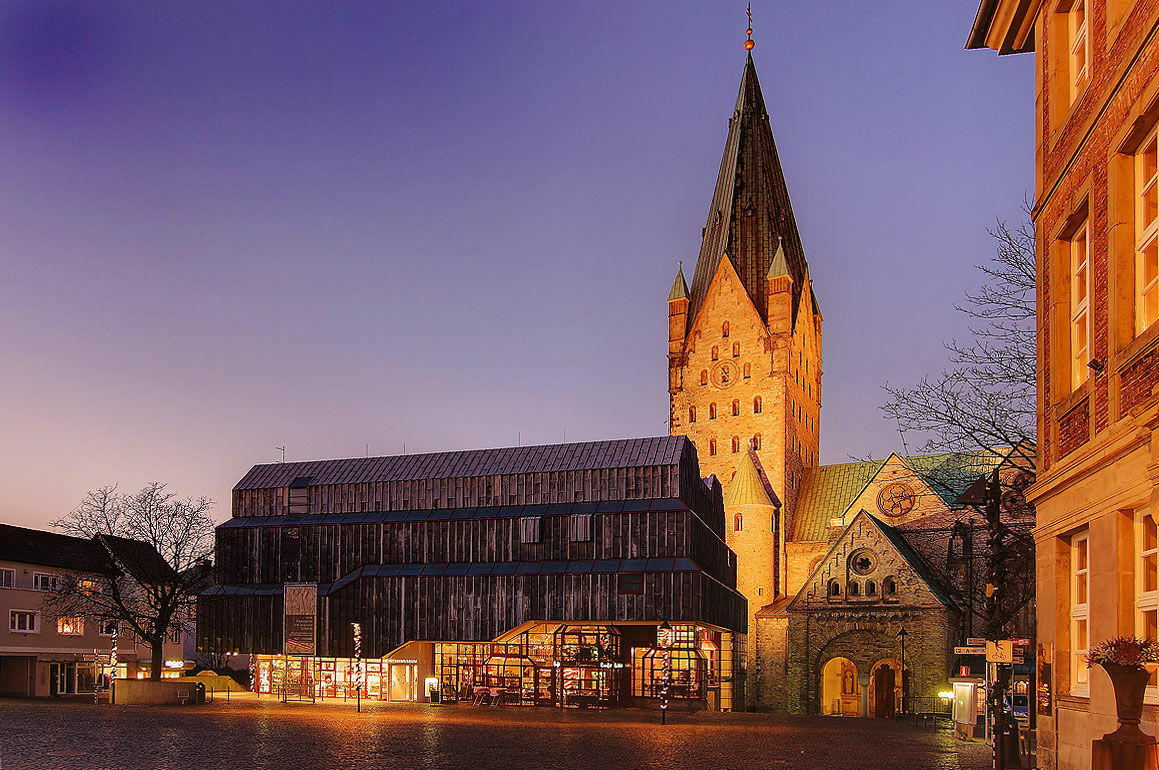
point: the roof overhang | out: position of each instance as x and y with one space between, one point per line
1007 26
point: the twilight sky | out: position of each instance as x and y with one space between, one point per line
229 226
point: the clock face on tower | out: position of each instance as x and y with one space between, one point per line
724 374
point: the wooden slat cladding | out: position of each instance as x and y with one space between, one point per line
393 610
251 555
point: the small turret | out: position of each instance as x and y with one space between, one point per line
780 291
677 313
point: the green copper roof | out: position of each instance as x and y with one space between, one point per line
679 287
779 265
826 491
746 487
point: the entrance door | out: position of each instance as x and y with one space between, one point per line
54 678
403 681
884 686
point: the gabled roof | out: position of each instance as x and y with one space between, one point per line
827 491
49 549
137 559
750 206
588 455
911 557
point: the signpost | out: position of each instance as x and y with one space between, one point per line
971 650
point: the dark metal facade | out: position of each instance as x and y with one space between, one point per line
411 559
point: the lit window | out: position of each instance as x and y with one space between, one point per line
70 626
703 376
7 578
724 329
736 350
735 407
1079 612
24 621
1080 51
1147 228
712 411
692 414
1147 584
1080 294
44 582
735 444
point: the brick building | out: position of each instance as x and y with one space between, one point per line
1097 493
744 383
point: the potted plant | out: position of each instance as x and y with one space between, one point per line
1129 662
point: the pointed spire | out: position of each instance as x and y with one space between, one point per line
780 265
679 286
750 209
746 487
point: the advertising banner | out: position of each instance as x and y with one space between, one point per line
301 618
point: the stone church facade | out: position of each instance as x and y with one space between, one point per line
835 561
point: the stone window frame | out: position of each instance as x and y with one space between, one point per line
1079 617
1147 585
1145 201
1078 43
738 522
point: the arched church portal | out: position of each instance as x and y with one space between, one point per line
840 690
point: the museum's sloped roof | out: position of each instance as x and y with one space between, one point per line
588 455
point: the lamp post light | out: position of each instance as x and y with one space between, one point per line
358 663
664 640
902 634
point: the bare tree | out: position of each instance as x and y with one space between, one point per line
153 552
985 402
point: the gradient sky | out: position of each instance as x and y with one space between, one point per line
229 226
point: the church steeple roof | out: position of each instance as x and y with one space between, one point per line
679 286
750 207
747 487
780 265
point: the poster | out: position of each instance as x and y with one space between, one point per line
301 616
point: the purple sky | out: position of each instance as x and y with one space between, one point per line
230 226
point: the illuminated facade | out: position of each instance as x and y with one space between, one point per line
1096 218
533 575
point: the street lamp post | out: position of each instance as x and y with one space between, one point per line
664 640
902 634
358 663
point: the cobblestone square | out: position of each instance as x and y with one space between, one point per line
249 732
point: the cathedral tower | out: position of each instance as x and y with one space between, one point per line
744 343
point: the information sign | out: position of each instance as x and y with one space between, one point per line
301 616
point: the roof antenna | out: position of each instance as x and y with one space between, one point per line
748 44
283 452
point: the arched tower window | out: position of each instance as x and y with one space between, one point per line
724 329
712 447
692 414
736 350
757 441
703 376
715 352
738 522
712 411
757 405
736 444
735 407
748 370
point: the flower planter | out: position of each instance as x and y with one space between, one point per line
1130 683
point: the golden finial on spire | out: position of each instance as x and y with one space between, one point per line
748 44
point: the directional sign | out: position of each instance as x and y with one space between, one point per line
970 650
975 641
1000 652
